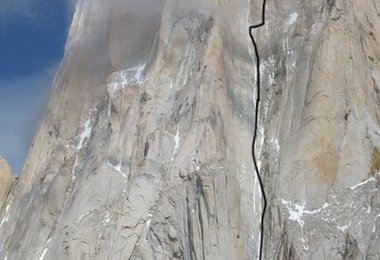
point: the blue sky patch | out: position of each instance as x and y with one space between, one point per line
32 39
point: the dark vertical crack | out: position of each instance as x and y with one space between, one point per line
199 194
257 59
192 253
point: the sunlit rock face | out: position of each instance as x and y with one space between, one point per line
319 124
145 147
6 180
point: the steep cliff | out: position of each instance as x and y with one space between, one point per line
6 180
145 150
320 129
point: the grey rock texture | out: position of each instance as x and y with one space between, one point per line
6 181
144 151
145 148
319 128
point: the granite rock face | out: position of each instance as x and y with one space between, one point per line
145 150
319 128
6 181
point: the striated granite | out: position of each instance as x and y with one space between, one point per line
144 151
6 181
320 129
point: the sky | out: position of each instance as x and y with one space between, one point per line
32 39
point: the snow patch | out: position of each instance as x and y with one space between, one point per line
45 250
107 217
74 168
272 81
292 18
149 218
343 228
177 140
117 168
138 72
124 77
43 254
304 244
362 183
374 225
196 164
297 212
134 73
5 219
274 141
215 167
85 134
84 215
270 62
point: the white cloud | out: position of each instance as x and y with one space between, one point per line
32 11
17 7
22 101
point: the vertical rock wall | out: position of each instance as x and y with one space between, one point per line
6 181
145 148
320 129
